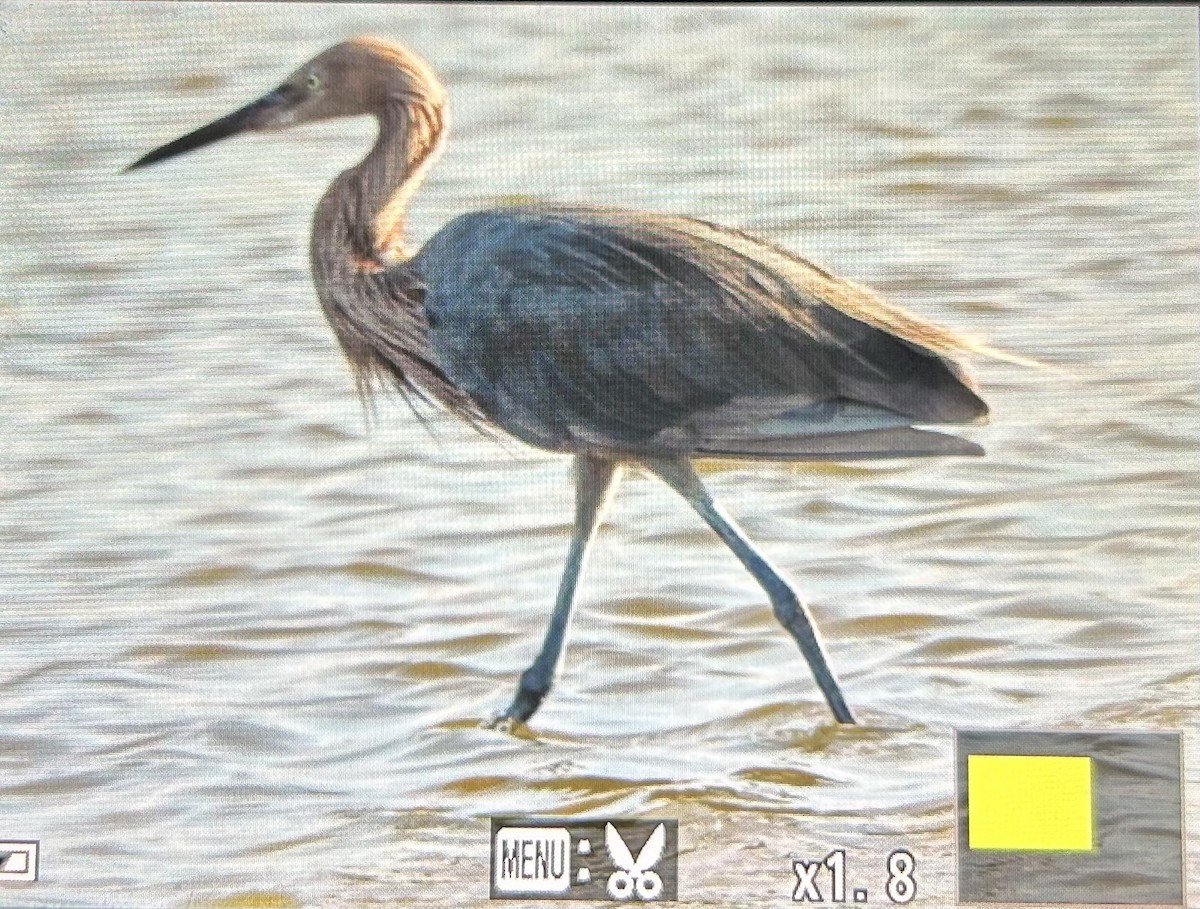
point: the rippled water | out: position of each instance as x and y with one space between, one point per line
247 643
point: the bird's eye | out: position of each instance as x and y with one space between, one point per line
313 82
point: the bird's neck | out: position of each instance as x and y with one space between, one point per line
374 304
363 213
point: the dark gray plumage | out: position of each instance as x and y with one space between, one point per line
620 337
638 334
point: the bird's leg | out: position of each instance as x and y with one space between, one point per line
593 479
788 607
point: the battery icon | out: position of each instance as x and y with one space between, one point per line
18 861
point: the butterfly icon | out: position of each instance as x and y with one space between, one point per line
634 875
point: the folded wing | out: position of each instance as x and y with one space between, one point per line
600 328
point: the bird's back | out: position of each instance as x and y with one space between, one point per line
596 328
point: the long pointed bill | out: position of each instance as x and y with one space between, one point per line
260 114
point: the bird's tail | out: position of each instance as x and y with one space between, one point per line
991 352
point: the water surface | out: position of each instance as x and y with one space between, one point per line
247 642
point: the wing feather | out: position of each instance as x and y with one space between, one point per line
575 327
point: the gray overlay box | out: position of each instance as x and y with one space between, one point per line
1138 822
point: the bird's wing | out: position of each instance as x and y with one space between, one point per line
605 328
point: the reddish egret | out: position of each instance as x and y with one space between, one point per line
621 337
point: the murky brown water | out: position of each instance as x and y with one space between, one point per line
246 644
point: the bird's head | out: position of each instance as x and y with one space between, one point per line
361 76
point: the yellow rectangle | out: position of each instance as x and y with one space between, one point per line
1029 803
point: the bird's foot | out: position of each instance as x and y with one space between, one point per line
523 706
499 722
